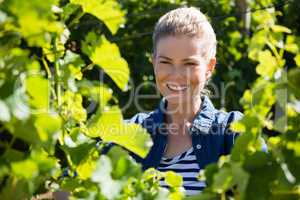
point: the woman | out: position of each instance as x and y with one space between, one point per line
187 131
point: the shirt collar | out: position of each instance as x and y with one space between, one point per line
201 122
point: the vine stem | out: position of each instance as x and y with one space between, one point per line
223 196
10 144
275 52
58 88
57 72
88 67
75 19
286 192
49 75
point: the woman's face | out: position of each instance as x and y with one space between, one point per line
180 68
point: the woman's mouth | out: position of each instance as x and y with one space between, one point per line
177 88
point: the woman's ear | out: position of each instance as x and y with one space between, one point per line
210 67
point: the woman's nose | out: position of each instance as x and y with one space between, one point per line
179 71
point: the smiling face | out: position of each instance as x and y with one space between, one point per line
180 68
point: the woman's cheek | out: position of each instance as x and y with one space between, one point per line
197 77
160 77
161 73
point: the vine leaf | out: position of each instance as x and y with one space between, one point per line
108 57
102 9
109 126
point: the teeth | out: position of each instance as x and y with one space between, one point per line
176 87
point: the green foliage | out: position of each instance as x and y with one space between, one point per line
108 57
46 124
53 110
109 127
104 11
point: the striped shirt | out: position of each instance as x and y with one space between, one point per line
186 165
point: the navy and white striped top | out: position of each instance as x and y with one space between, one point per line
186 165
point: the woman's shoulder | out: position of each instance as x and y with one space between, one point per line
225 118
217 116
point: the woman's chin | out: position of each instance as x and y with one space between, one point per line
178 99
181 98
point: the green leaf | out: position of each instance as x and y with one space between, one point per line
54 51
76 154
267 64
72 108
263 170
223 180
279 28
123 167
18 104
24 130
108 57
151 173
33 12
173 179
241 146
102 175
17 188
297 59
68 10
109 126
291 45
46 163
4 112
90 42
294 146
13 155
70 184
96 91
38 90
47 125
203 196
240 178
82 158
108 11
294 81
27 169
257 42
210 171
176 195
265 18
237 127
292 160
86 167
39 130
71 66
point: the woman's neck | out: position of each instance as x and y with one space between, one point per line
180 117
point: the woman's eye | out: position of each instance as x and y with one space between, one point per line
190 64
164 62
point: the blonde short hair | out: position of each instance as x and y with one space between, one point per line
188 21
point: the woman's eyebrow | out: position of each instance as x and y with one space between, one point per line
183 60
165 57
190 59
